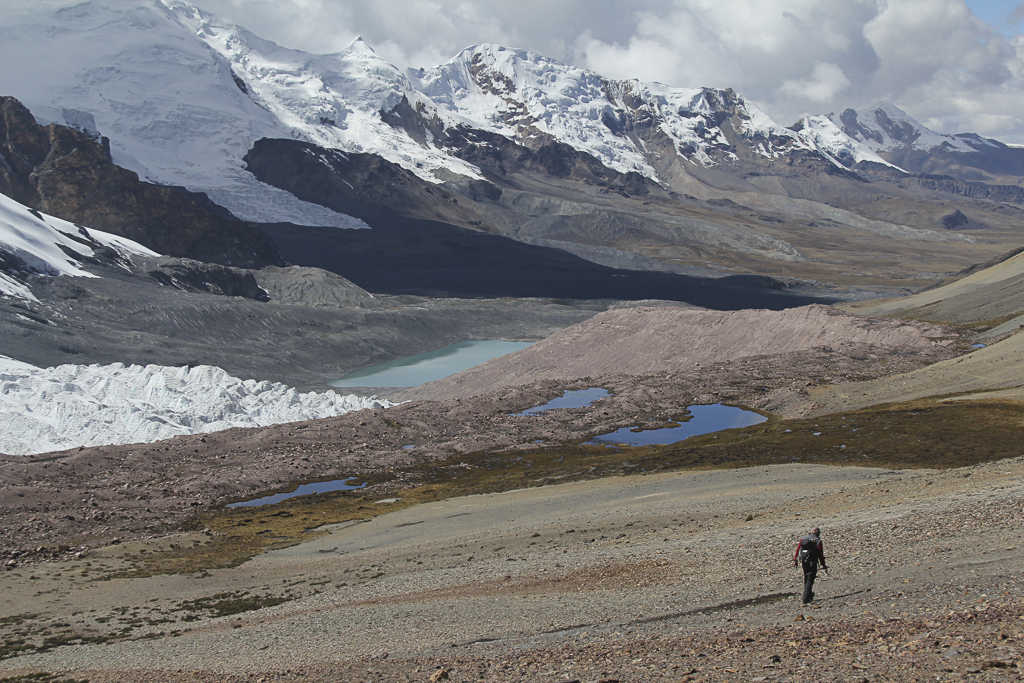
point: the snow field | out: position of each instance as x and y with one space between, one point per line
42 242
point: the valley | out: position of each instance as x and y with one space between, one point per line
201 231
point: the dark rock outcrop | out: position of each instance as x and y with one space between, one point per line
212 278
499 156
954 220
973 190
68 174
360 185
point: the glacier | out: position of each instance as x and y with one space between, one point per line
135 72
53 409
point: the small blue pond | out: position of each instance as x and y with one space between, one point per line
303 490
413 371
582 398
706 419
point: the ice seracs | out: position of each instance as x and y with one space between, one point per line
50 409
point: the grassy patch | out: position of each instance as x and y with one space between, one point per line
42 637
918 434
227 604
928 313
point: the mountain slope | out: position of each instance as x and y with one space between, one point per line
907 144
992 294
137 73
66 173
496 140
32 243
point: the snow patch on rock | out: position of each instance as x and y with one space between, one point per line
886 128
48 246
836 144
51 409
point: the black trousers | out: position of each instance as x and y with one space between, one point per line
810 573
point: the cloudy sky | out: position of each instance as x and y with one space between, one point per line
954 65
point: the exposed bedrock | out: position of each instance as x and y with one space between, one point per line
66 173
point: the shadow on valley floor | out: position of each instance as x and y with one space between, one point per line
403 255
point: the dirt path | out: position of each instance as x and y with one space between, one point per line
627 579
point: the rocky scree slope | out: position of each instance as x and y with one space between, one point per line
663 341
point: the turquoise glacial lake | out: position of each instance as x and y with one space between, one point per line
706 419
581 398
413 371
303 490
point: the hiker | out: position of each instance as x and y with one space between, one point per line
809 553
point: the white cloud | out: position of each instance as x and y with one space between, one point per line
933 58
825 82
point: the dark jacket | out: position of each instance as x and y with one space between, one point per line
819 552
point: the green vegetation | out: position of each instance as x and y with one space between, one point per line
927 433
227 604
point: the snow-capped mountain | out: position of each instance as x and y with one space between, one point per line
183 95
832 141
497 140
141 73
34 243
886 134
886 128
524 96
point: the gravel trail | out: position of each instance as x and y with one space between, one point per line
661 577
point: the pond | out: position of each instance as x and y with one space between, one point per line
582 398
303 490
704 420
413 371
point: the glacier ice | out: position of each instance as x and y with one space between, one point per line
50 409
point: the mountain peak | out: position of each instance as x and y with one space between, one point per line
884 127
359 45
